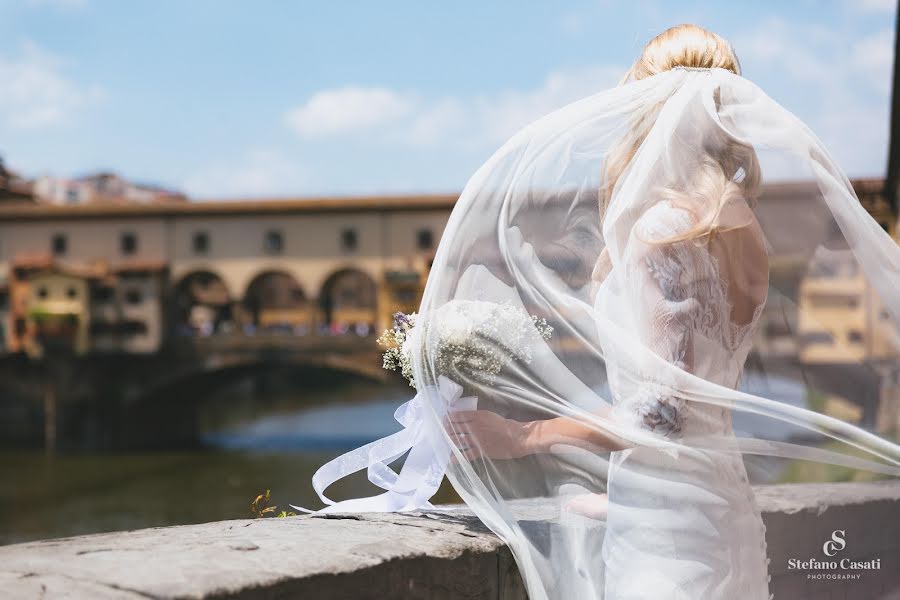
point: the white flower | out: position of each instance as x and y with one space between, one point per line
470 341
455 328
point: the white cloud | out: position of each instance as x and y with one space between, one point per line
407 119
776 44
502 115
873 58
817 56
834 80
843 96
887 6
35 93
262 172
454 127
347 109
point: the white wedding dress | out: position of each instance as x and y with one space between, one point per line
648 359
684 525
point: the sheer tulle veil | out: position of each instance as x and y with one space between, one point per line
687 356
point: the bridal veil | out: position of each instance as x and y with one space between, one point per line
716 294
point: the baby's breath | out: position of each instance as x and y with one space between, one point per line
466 339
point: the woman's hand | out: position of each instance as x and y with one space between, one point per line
593 506
485 433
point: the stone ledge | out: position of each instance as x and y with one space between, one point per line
445 554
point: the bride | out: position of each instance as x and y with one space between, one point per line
612 453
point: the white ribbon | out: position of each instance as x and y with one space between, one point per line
424 468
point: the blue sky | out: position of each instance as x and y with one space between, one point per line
236 99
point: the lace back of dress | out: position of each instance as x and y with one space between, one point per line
683 312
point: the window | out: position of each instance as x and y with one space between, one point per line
817 337
102 328
119 328
101 294
71 293
128 243
133 297
42 292
855 336
425 239
59 245
273 242
404 296
833 301
201 242
133 328
349 239
135 275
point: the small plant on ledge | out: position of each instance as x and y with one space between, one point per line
260 508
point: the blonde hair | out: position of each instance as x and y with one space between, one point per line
684 46
726 169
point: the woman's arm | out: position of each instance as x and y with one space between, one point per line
660 287
545 434
485 433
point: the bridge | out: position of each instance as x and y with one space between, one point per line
184 297
356 355
127 277
120 401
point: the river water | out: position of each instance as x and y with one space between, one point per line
256 437
251 444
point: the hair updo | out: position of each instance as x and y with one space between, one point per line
726 170
684 46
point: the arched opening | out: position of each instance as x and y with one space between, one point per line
202 305
349 302
275 301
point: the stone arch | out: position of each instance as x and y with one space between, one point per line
202 303
349 299
274 298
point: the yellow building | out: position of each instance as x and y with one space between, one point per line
324 265
58 307
841 319
345 265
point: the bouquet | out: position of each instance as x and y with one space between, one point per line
466 339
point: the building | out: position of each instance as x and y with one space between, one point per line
127 308
105 310
12 187
332 266
837 316
841 318
344 265
20 329
100 187
5 317
58 306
